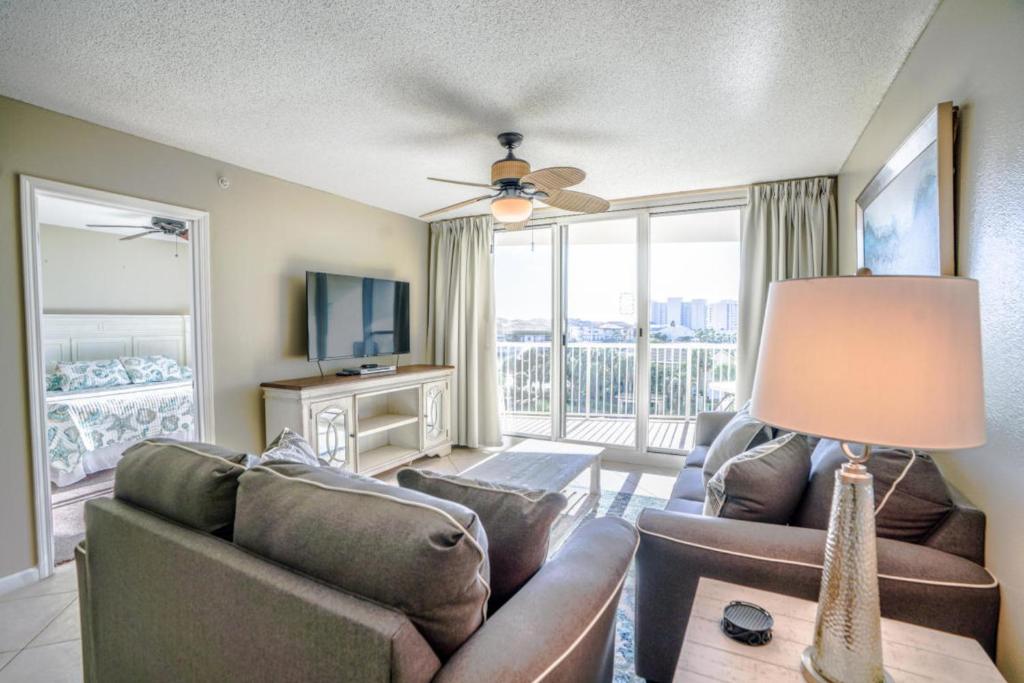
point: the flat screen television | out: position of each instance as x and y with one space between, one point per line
356 317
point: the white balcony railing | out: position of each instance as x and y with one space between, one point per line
685 378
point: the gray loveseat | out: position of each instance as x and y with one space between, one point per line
940 583
165 599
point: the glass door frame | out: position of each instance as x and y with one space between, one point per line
642 211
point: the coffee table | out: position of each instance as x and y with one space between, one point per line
910 652
543 465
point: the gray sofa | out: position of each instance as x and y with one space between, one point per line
940 583
162 600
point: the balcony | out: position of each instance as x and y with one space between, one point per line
600 390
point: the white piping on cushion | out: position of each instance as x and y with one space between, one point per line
906 468
191 450
374 494
811 565
494 488
593 622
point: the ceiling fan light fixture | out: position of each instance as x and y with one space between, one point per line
511 209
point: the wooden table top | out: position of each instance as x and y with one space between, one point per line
333 380
910 653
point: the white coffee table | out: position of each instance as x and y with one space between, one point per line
911 653
543 465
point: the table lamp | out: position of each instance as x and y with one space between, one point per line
869 361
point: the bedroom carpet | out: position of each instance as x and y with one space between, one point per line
69 512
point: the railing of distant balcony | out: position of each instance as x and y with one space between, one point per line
686 378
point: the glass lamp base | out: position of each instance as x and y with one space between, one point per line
812 676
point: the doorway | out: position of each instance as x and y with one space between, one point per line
118 340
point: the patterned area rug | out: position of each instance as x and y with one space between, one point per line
627 505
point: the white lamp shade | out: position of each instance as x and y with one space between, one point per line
511 209
890 361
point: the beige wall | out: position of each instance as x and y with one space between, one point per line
87 271
972 53
264 234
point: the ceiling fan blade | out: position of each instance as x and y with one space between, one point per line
571 200
461 182
512 227
123 227
554 177
141 234
459 205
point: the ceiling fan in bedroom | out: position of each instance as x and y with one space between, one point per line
514 187
157 226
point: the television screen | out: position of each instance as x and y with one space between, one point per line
354 317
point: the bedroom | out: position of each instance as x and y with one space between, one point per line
117 340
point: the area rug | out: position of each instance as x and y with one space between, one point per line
627 505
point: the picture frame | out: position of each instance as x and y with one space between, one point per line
906 214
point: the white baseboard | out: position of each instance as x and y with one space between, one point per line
18 580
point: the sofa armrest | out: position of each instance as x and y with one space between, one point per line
962 532
917 584
709 425
561 624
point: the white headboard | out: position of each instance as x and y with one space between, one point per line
101 336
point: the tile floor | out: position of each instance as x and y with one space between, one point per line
40 636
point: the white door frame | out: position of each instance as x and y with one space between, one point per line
199 226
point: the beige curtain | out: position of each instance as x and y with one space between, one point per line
461 326
790 231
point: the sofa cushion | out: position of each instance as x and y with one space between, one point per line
697 456
739 434
690 507
920 502
517 521
689 485
289 446
763 484
191 483
424 556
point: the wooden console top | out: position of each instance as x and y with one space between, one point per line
408 371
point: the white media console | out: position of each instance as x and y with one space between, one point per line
366 424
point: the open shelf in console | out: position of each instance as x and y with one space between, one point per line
387 428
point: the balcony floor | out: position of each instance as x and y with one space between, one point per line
665 434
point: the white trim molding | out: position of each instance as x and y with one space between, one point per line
12 582
32 189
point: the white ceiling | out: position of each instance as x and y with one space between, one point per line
365 99
69 213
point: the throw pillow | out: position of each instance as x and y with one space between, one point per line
918 504
763 484
290 447
91 374
191 483
424 556
739 434
517 520
147 369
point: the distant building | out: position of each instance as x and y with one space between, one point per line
674 311
659 313
695 314
724 315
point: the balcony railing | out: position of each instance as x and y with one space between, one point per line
685 378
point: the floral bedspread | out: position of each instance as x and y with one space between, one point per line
75 426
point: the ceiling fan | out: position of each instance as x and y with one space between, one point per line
157 226
515 187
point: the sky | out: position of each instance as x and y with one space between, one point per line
602 277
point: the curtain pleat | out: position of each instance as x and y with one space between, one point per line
790 231
461 328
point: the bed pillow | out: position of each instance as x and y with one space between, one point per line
763 484
517 521
289 446
739 434
147 369
424 556
91 374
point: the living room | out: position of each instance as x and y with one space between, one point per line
616 330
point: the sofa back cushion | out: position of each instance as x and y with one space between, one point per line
191 483
518 523
421 555
763 484
917 505
739 434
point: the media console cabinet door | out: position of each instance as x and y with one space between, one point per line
436 413
331 429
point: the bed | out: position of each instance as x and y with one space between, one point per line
88 429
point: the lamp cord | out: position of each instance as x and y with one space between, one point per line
888 494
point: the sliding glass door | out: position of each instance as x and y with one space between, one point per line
600 331
523 266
